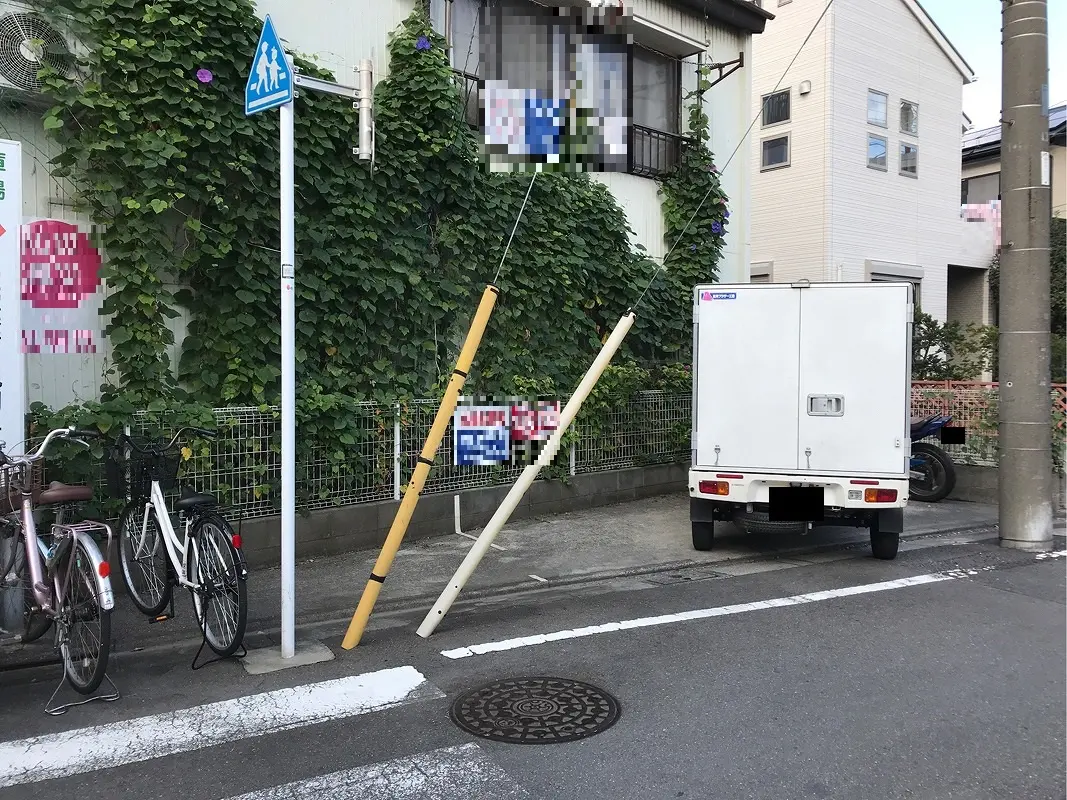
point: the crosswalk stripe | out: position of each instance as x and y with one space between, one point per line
451 773
83 750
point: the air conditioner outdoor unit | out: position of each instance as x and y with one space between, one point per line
28 43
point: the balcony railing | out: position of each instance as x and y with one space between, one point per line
653 152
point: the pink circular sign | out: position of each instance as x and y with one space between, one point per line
60 266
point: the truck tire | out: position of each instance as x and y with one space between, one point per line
884 544
759 522
703 535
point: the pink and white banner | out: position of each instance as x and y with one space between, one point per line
61 289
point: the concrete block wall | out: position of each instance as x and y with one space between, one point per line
979 485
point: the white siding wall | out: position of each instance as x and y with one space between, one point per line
884 216
727 106
790 206
336 34
53 378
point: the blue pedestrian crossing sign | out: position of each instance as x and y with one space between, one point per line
270 81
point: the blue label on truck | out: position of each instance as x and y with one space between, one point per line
718 296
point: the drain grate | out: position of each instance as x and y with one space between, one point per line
535 711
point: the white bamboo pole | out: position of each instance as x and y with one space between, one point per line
511 501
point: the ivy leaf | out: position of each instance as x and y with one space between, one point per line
159 206
52 123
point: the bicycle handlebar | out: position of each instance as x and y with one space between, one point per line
153 449
70 433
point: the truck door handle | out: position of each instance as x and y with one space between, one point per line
826 405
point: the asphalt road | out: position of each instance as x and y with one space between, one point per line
949 685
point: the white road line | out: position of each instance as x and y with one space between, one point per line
538 578
451 773
685 616
1053 554
82 750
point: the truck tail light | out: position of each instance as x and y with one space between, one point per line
715 487
880 495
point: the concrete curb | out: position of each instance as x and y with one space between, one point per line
269 626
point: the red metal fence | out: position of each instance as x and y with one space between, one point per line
973 405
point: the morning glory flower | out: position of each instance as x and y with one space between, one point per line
422 43
716 227
204 75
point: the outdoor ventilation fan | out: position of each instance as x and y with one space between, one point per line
27 45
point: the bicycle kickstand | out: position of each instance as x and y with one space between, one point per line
63 708
203 641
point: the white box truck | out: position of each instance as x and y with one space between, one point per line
801 408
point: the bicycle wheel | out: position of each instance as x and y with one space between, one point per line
18 601
221 601
84 627
144 558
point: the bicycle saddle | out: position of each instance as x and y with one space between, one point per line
190 499
58 493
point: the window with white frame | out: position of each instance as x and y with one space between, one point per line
775 108
877 152
877 108
909 117
774 152
909 160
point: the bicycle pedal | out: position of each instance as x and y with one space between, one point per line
160 618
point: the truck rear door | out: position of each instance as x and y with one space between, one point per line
854 381
746 377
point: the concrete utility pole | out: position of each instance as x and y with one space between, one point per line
1025 405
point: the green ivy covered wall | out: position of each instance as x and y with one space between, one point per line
390 260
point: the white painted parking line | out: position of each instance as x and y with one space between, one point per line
83 750
685 616
451 773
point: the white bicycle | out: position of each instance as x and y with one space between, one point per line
206 559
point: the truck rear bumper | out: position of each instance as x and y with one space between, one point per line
847 495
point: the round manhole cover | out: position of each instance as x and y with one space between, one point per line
535 711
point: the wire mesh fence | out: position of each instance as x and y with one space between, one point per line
242 465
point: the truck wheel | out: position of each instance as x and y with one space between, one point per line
703 535
884 544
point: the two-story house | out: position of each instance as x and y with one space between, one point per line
981 163
854 153
671 40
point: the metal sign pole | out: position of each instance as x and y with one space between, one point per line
287 219
272 82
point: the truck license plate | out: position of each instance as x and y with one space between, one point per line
795 503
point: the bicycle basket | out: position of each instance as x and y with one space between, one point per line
132 477
12 479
